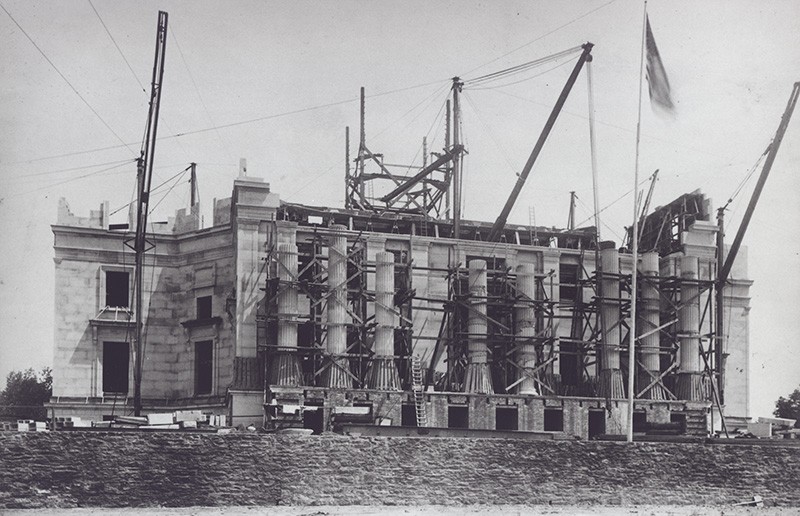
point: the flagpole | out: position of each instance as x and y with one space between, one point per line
635 239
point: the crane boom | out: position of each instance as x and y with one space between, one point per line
500 223
773 150
724 264
144 178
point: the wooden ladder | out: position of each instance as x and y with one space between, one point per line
418 389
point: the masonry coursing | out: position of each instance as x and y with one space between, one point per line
162 469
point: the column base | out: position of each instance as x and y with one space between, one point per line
656 392
528 385
478 379
691 387
285 371
383 375
610 384
336 377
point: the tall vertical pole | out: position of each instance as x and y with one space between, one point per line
362 145
137 289
347 201
457 85
571 217
448 168
719 323
193 183
592 147
635 231
426 192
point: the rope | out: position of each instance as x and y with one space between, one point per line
521 67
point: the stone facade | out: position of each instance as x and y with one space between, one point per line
229 263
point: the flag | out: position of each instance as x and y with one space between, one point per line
657 81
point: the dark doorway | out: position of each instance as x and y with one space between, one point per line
597 422
639 421
116 357
313 417
203 367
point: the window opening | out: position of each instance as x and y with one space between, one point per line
117 289
204 307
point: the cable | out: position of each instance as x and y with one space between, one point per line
68 180
176 183
49 172
490 133
542 36
151 191
747 177
197 90
522 67
67 81
232 124
615 201
117 46
521 80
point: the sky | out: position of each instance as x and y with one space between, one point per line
276 83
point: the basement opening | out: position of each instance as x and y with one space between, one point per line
408 415
457 417
553 420
597 422
506 418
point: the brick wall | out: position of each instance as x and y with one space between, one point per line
160 469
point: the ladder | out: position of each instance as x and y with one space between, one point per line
418 390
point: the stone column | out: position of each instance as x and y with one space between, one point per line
337 376
610 384
383 372
477 378
649 311
285 367
526 327
690 376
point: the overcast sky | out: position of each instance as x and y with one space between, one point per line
277 82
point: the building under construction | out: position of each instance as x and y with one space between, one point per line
395 312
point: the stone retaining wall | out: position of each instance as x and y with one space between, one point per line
69 469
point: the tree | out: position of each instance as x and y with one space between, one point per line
789 407
26 393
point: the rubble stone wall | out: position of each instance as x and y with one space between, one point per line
104 469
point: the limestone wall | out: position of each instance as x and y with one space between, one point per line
159 469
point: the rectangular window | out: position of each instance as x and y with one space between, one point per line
117 289
204 307
568 279
553 420
506 418
116 357
203 366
